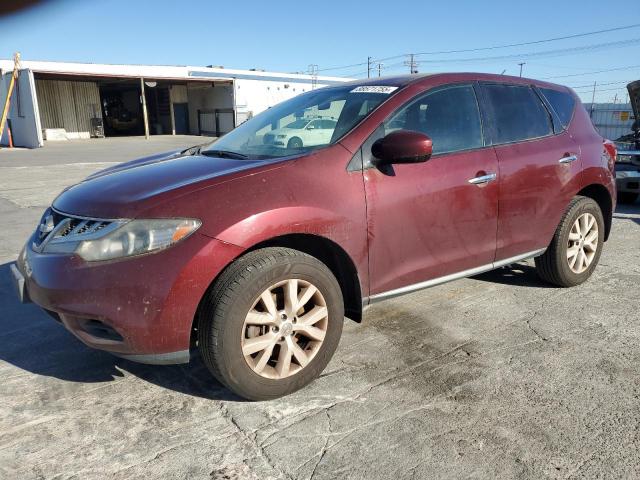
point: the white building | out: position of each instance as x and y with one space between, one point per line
84 100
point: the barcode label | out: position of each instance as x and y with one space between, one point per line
374 89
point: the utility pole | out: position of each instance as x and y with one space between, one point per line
593 99
379 70
521 64
412 64
368 67
313 71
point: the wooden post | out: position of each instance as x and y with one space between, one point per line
144 109
7 104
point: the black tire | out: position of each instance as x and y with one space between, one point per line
627 197
294 142
225 307
552 266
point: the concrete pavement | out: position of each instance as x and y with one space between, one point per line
497 376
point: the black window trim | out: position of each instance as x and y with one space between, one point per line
492 120
360 159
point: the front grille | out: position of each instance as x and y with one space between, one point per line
57 227
269 138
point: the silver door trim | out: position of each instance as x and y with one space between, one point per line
448 278
568 159
489 177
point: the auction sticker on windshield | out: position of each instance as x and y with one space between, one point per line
374 89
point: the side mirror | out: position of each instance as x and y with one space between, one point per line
402 146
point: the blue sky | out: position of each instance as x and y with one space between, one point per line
289 35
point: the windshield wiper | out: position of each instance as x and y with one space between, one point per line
224 154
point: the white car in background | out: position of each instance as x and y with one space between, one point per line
302 132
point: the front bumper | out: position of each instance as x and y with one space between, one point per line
140 308
628 180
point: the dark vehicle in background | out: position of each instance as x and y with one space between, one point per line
628 161
253 253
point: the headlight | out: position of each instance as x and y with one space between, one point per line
137 237
126 238
281 136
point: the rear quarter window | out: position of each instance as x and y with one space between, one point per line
518 113
562 103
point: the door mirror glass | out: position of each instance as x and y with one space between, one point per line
402 146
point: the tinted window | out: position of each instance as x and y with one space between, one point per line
449 116
518 113
561 102
329 124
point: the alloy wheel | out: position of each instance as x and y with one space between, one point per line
284 329
582 243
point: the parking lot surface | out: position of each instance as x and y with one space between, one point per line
496 376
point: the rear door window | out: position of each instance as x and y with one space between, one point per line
518 113
449 116
562 103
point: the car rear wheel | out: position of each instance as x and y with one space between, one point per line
271 323
295 142
576 246
627 197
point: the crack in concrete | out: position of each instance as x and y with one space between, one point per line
324 448
260 450
533 330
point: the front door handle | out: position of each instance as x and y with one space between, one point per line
489 177
568 159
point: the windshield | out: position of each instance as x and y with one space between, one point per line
307 122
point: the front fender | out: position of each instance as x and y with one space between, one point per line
265 225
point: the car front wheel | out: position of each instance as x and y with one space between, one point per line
271 323
295 142
576 246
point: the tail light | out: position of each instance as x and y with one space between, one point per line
611 152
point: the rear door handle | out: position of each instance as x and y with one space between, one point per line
568 159
489 177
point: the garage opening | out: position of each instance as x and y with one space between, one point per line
85 107
121 108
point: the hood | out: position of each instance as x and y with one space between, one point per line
634 98
127 189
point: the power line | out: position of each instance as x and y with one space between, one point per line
535 42
494 47
606 83
593 72
557 52
598 90
545 53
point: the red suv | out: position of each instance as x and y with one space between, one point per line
252 249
